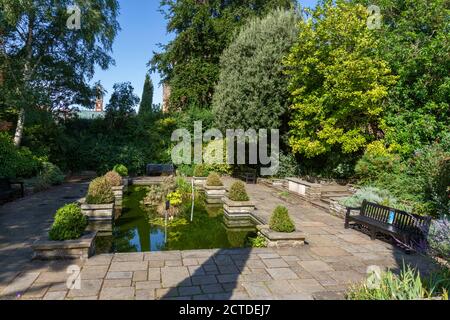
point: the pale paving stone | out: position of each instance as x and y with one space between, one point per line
88 298
282 273
256 289
145 294
148 285
128 257
175 276
329 252
315 266
196 270
117 294
55 295
94 272
89 288
173 263
116 283
280 287
37 290
100 260
20 284
140 276
307 285
255 264
154 274
129 266
162 256
166 293
347 277
269 256
53 277
58 287
190 262
156 264
119 275
275 263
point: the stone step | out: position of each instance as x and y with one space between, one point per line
321 205
336 194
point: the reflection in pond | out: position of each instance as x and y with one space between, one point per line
140 229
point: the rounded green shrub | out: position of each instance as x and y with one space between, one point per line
69 223
113 178
280 220
214 180
200 171
238 192
100 192
121 169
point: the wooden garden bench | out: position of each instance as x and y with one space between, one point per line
249 175
7 191
160 169
400 225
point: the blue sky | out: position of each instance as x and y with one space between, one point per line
143 27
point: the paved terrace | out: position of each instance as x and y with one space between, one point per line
333 259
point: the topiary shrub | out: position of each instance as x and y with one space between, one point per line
100 192
214 180
69 223
200 171
114 179
280 220
238 192
121 169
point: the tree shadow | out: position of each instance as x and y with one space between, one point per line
214 279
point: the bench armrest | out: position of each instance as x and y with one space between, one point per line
21 183
350 209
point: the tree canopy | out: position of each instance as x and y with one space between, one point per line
146 106
252 79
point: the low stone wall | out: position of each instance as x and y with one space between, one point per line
98 211
279 239
82 248
118 195
311 191
200 181
336 209
237 207
214 195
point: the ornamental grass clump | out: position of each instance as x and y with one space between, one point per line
280 220
121 169
69 223
100 192
114 179
200 171
214 180
238 192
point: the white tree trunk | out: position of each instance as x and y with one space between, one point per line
19 129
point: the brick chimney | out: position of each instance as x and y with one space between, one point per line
99 101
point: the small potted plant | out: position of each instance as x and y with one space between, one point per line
281 230
200 175
123 172
67 237
237 201
99 202
116 182
214 189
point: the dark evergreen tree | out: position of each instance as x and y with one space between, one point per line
146 106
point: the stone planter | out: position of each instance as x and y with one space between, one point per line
280 239
238 214
118 195
311 191
126 181
336 209
237 207
214 194
200 181
82 248
278 182
98 211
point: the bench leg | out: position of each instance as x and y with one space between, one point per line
373 234
347 224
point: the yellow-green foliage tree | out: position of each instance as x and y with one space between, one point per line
337 82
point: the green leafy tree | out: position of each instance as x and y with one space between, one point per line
338 83
44 62
252 79
203 29
414 39
121 104
146 106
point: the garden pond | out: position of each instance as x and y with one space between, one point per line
139 229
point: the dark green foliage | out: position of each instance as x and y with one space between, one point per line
16 162
121 104
121 169
280 221
146 106
252 76
49 175
69 223
238 192
214 180
100 192
203 29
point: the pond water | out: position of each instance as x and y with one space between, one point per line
141 230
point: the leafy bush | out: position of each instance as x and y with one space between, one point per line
183 186
288 166
121 169
186 170
258 242
238 192
69 223
407 286
100 192
200 171
114 179
280 220
214 180
154 196
375 195
175 198
48 176
439 238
